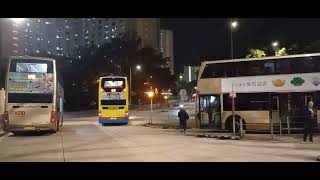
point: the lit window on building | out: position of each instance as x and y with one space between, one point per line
28 24
48 52
58 48
67 27
98 45
79 57
86 37
67 39
57 37
76 35
38 39
112 30
37 51
112 36
106 37
15 38
38 20
106 26
48 22
26 30
48 42
25 49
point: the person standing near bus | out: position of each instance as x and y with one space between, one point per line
309 121
183 117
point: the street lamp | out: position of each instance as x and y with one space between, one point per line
138 67
150 95
233 24
275 45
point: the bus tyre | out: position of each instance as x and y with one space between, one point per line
229 124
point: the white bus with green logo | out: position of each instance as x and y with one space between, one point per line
34 95
269 91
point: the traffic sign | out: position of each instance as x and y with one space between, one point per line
183 92
232 94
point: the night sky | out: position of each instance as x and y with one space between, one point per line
198 38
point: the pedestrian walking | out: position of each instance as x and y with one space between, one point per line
309 121
183 117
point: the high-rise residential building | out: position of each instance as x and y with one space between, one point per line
189 73
147 29
63 36
166 48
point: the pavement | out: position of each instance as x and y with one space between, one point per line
82 139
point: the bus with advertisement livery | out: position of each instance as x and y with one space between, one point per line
113 95
270 91
34 95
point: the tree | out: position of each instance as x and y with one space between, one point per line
281 52
196 71
256 53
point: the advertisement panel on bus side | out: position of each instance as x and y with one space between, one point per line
272 83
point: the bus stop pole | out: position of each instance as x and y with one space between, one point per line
233 116
233 109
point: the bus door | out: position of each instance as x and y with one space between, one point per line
279 108
209 109
275 109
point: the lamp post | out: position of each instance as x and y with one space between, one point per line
233 24
138 67
275 45
150 95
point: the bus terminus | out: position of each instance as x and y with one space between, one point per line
34 95
270 90
113 100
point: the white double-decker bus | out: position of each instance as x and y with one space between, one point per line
270 90
34 95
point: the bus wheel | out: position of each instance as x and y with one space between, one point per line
229 124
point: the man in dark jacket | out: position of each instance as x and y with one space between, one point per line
309 121
183 117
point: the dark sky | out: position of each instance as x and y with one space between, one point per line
197 38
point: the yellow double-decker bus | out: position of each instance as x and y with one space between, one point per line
113 97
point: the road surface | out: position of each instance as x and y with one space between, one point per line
83 139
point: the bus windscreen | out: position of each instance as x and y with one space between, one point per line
113 84
32 67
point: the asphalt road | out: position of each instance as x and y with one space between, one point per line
83 139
